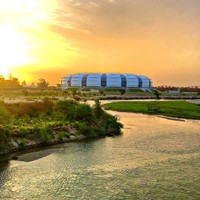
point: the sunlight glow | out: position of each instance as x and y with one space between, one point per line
13 49
22 23
51 38
4 72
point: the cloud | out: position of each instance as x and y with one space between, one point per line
124 18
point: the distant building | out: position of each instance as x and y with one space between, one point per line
109 80
174 91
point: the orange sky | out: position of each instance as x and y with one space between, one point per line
52 38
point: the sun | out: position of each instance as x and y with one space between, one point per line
13 49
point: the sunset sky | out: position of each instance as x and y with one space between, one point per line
52 38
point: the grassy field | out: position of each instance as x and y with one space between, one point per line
180 109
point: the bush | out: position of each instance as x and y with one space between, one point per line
83 112
101 91
72 110
98 111
157 94
23 143
4 137
66 108
5 115
111 124
122 91
61 135
44 135
84 129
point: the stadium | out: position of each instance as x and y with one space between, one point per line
109 80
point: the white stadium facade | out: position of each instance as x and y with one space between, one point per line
109 80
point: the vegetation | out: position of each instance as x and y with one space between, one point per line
157 94
45 121
11 82
181 89
42 83
86 89
122 91
135 90
180 109
112 90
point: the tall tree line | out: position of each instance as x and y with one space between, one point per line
12 82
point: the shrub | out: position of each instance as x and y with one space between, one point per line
44 135
61 135
122 91
101 91
66 108
22 143
4 137
83 112
111 124
157 94
5 115
98 111
84 129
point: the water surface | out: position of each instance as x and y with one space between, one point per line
155 158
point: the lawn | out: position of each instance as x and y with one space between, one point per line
180 109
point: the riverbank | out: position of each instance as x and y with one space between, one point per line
29 125
34 144
177 109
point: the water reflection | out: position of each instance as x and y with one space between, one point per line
155 158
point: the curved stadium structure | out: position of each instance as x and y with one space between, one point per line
109 80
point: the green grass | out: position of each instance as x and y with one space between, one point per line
136 90
180 109
112 90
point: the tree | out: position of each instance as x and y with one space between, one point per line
157 94
2 78
2 81
122 91
11 82
42 83
23 83
101 91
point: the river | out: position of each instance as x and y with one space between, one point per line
154 158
